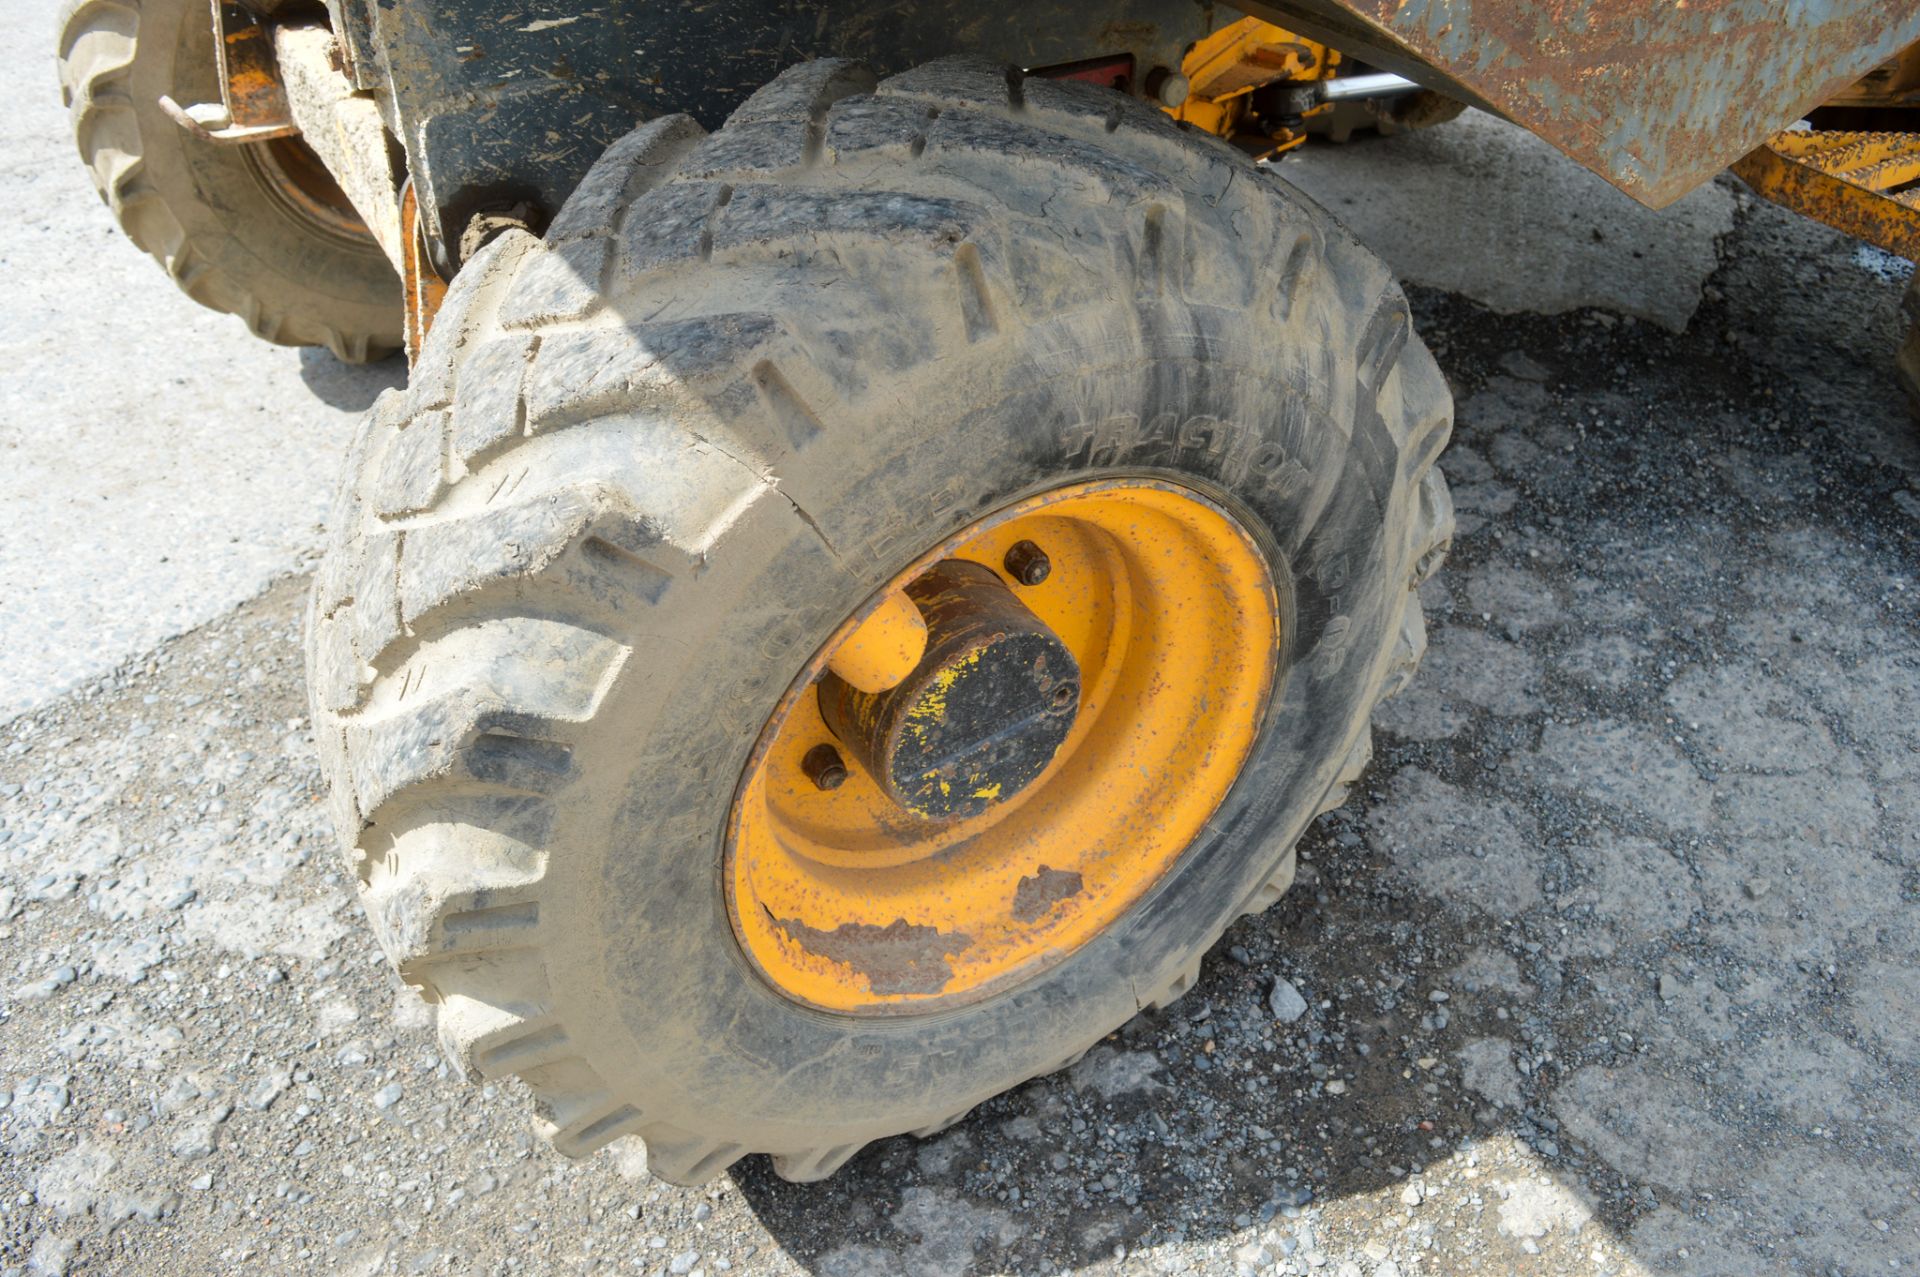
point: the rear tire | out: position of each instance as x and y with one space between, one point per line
649 464
227 223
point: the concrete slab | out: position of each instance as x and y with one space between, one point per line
1480 207
161 465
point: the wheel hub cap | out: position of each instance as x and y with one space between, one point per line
979 717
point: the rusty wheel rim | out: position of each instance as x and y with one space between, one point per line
299 182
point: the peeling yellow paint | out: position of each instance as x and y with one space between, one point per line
1171 613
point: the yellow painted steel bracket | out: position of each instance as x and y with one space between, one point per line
1225 68
1863 183
1866 184
1855 163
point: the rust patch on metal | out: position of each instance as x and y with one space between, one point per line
253 103
1894 83
254 96
897 958
1041 891
423 290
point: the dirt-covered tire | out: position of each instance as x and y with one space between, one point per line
220 219
647 465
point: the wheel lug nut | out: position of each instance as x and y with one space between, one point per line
824 767
1027 563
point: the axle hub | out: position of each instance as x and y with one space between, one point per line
979 717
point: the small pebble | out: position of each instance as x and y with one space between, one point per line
1286 1002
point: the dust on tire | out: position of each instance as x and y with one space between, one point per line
645 467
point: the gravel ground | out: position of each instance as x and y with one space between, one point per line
1610 966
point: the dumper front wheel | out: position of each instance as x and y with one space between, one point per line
847 619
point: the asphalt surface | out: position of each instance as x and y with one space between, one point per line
1610 966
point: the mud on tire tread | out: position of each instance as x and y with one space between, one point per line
288 287
593 429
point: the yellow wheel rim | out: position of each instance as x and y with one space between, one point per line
846 901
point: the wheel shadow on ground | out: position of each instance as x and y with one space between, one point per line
350 387
1611 965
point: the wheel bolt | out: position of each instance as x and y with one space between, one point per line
1027 563
824 767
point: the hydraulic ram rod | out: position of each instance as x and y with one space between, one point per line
1374 84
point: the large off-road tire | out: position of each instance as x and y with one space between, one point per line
255 231
648 465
